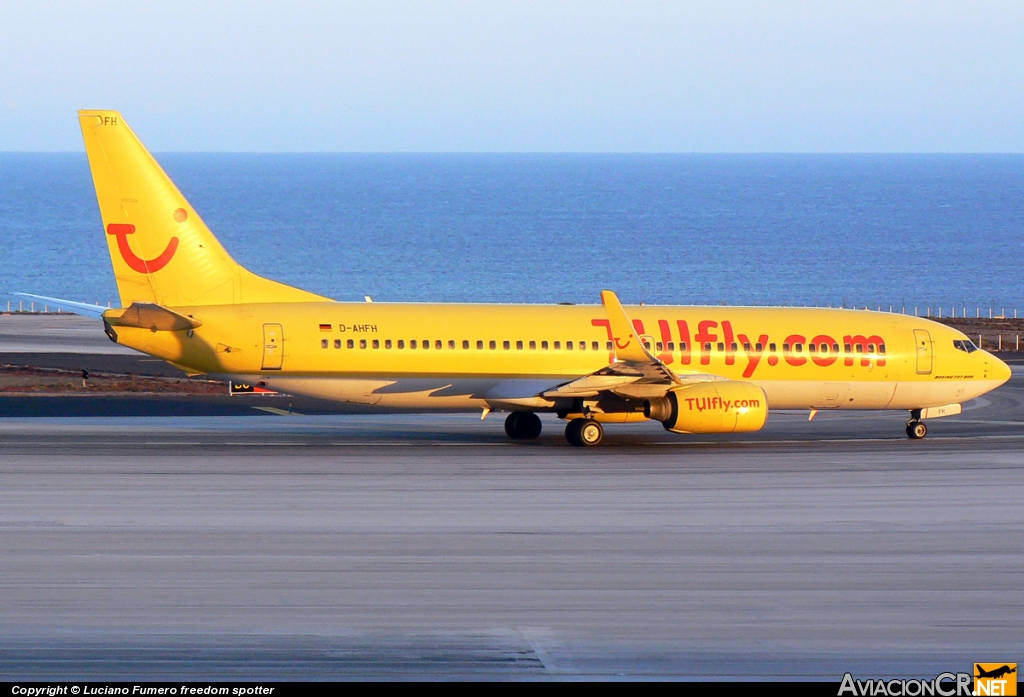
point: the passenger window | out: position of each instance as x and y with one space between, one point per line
376 343
746 345
860 348
412 344
425 344
438 345
811 347
506 345
533 345
671 346
337 343
350 343
608 345
387 343
871 348
682 345
759 346
721 346
568 346
583 346
544 345
771 347
451 343
558 345
661 346
823 348
785 348
595 345
799 348
401 343
881 348
707 347
479 346
519 346
734 346
647 344
323 343
493 344
835 348
362 343
847 348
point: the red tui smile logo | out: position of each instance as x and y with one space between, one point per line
137 263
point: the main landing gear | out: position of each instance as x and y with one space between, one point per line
584 432
522 425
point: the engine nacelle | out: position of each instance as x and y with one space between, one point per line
719 406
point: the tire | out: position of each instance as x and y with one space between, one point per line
522 425
916 430
529 425
591 433
572 432
512 425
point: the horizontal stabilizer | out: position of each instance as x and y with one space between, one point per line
71 306
150 316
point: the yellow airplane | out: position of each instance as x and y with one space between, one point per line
694 369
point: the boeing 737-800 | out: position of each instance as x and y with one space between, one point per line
694 369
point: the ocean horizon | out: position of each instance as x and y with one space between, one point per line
924 231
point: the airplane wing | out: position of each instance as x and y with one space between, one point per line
636 372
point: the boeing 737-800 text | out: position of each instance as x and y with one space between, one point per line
694 369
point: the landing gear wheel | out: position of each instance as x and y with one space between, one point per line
584 432
572 431
916 430
522 425
591 433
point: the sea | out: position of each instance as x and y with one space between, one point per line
924 232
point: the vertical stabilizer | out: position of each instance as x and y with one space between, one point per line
161 249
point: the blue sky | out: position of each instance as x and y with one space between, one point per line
718 76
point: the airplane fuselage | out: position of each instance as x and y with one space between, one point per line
452 356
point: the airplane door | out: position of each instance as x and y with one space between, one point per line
923 343
273 346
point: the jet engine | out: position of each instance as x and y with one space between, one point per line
719 406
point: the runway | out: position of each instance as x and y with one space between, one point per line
356 546
272 547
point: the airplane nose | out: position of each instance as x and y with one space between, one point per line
999 370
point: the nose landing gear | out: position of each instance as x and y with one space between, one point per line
916 429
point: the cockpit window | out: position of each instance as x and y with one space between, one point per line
965 345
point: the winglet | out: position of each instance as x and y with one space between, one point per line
627 344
